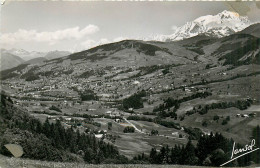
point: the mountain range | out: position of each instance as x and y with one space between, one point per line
216 27
27 55
9 60
241 48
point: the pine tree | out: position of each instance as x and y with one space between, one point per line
167 152
217 157
189 154
153 156
46 128
175 154
162 155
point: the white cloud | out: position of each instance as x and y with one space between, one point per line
104 41
91 43
119 39
51 37
88 44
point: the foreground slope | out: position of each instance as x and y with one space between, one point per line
19 163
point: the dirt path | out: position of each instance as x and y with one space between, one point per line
138 130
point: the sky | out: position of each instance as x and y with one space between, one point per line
74 26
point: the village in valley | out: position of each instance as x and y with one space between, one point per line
163 103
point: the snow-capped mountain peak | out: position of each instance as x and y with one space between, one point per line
26 55
220 25
18 51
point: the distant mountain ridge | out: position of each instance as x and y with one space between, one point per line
9 61
28 55
14 57
25 55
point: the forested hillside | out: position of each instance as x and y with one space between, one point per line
51 141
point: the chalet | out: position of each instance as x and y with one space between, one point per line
187 90
67 119
245 115
175 133
98 135
108 112
136 82
130 109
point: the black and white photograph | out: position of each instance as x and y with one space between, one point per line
129 84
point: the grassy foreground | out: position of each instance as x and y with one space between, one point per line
6 162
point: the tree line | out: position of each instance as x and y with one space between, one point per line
170 102
240 104
135 101
211 150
